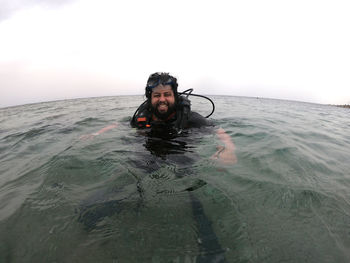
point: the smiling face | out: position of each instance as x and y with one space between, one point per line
163 101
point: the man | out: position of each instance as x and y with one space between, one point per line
164 117
165 107
165 112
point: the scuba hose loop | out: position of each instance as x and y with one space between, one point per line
188 92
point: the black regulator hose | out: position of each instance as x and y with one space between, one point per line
188 92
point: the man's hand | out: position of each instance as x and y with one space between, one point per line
225 154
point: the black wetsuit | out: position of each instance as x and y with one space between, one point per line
196 121
169 137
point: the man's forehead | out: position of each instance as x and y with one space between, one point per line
162 88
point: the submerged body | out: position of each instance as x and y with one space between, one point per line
171 132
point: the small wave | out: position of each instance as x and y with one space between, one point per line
89 122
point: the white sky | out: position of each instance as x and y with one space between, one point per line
297 49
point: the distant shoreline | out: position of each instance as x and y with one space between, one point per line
344 106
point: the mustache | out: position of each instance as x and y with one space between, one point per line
162 103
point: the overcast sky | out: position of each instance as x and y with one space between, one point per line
296 50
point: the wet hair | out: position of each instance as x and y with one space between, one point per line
158 78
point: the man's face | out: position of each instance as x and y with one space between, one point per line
163 101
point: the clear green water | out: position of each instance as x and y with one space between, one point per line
123 197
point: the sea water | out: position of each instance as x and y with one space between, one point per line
122 196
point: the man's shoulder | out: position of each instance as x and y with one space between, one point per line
196 120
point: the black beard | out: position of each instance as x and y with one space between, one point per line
163 116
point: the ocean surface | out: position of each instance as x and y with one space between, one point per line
122 196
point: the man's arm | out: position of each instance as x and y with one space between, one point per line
225 154
107 128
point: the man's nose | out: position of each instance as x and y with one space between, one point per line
162 98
